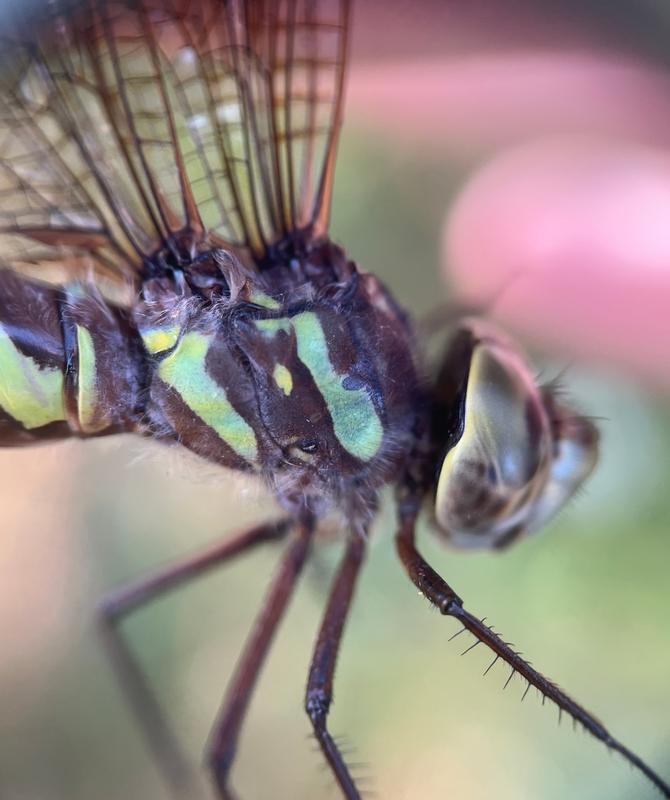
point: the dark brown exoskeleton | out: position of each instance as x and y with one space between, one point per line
164 199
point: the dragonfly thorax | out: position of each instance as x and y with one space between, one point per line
303 373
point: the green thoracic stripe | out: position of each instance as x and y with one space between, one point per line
355 420
30 394
184 370
87 394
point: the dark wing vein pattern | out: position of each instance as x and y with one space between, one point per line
132 128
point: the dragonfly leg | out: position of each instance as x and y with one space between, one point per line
319 693
441 595
223 743
121 603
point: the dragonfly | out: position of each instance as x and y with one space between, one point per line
166 177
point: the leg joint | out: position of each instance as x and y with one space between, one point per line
448 604
220 762
317 704
107 612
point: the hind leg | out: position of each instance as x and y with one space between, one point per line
116 607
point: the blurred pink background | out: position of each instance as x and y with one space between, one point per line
563 215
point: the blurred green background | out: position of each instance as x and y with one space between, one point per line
588 601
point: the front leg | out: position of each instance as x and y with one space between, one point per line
441 595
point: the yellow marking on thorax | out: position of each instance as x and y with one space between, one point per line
87 383
262 299
30 394
283 379
157 340
356 424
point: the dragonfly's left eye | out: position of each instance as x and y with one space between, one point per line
520 455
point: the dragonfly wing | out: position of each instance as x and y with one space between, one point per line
131 128
295 100
53 214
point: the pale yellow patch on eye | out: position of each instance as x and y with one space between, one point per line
283 379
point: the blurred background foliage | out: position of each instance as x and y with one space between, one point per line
587 601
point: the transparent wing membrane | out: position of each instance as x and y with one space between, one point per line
128 128
50 206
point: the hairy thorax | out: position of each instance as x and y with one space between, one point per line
303 372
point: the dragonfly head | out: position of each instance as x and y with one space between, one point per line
515 454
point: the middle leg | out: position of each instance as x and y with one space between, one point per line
238 694
319 693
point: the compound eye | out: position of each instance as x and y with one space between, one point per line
575 454
501 460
